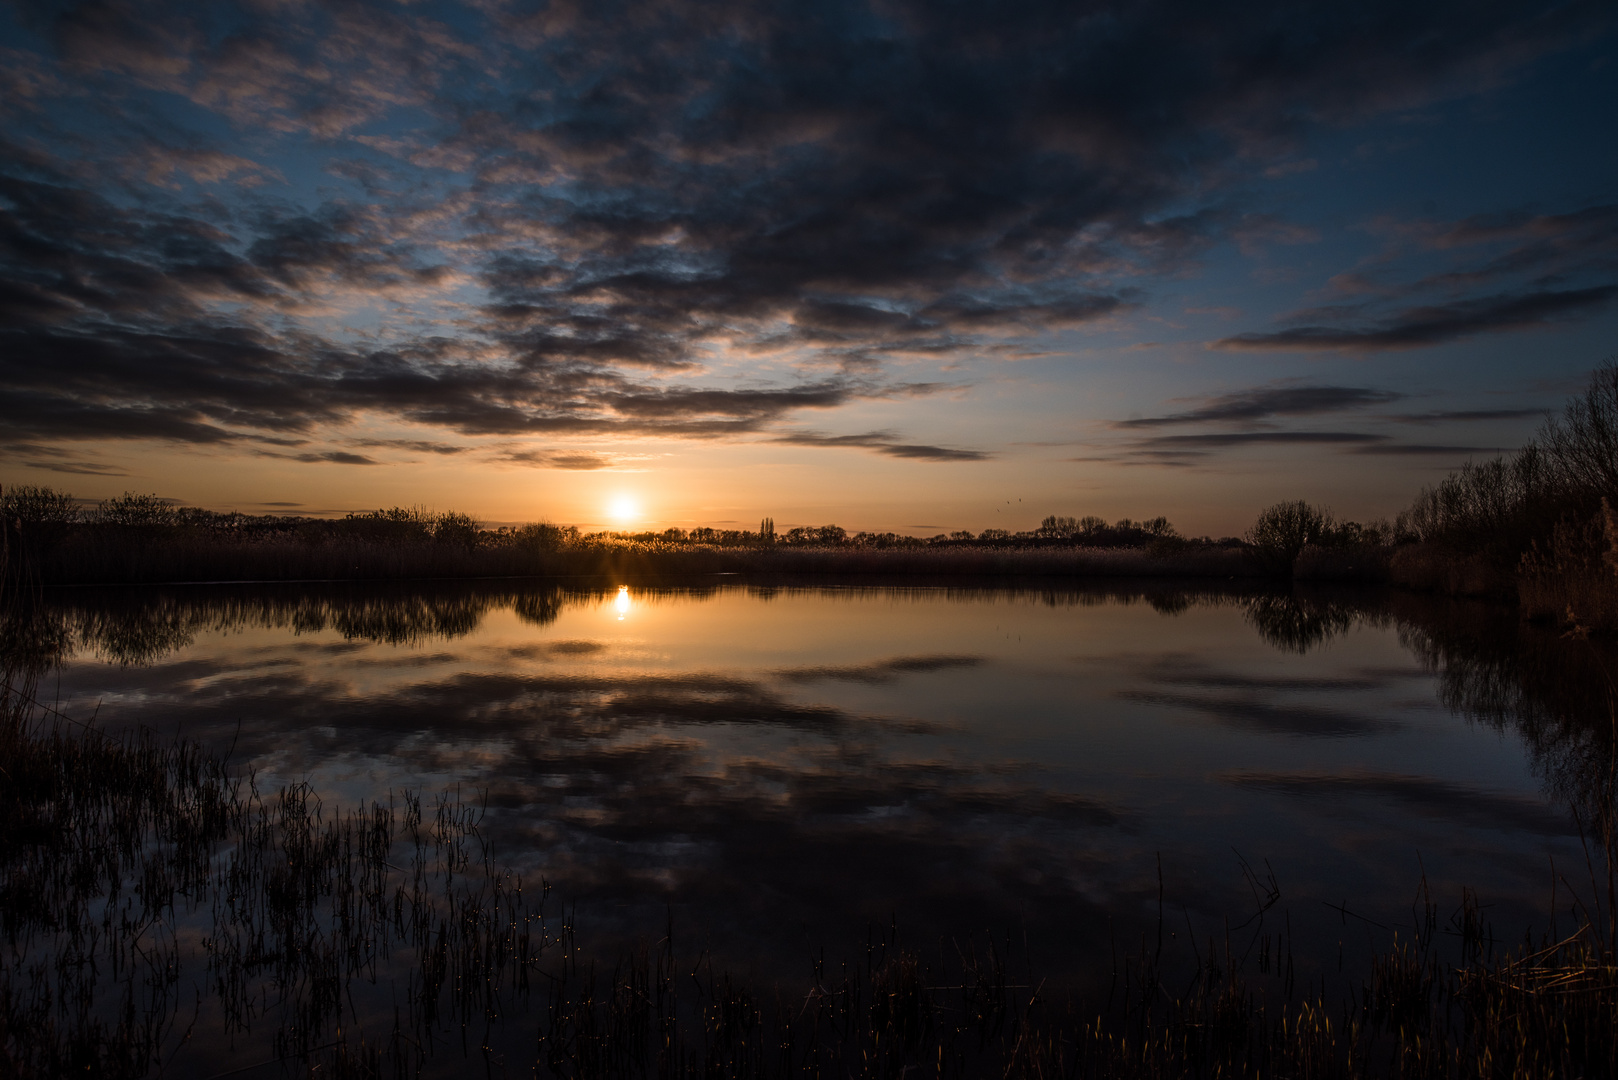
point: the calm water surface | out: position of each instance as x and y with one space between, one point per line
778 769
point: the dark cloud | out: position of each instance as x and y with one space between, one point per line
575 210
578 462
1247 406
1444 416
1437 323
1518 243
547 459
425 446
1222 439
337 457
884 443
1395 449
1252 411
76 468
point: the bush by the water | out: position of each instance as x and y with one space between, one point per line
1533 524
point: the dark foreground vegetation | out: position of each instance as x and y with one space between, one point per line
163 914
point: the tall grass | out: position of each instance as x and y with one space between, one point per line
96 555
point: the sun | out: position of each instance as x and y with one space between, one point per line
623 509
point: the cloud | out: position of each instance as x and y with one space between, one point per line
1592 227
1444 416
1395 449
884 443
77 468
1264 402
337 457
550 459
1216 440
1435 324
583 462
424 446
567 222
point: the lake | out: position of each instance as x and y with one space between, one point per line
780 768
777 770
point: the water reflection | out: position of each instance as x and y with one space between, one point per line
781 763
1298 623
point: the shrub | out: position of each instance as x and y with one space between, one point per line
391 526
457 529
1489 504
37 517
1503 507
26 505
1285 529
823 536
1582 444
1060 528
134 511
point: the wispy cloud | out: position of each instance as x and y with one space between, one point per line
1434 324
1446 416
884 443
1262 403
1398 449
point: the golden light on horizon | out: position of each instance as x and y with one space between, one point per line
623 509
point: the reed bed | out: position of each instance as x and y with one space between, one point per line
99 557
153 903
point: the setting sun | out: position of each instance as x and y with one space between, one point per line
623 509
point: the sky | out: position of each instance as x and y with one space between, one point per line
909 266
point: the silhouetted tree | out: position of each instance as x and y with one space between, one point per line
1284 529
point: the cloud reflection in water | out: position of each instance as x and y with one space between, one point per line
786 766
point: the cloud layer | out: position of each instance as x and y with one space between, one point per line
253 227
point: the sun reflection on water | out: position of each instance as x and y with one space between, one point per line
622 603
